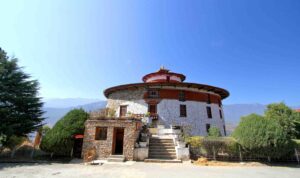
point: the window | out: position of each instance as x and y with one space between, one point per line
123 111
208 110
221 115
220 103
224 130
181 96
207 127
153 94
168 78
182 110
152 108
101 133
208 99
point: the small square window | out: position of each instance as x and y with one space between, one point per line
101 133
153 94
183 110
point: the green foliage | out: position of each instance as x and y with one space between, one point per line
14 141
214 132
195 141
296 143
213 145
111 112
44 130
262 137
20 106
58 140
297 124
285 116
206 145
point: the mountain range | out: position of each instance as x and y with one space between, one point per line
57 108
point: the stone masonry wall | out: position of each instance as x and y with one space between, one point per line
132 98
169 113
168 110
104 147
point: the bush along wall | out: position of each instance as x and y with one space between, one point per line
59 139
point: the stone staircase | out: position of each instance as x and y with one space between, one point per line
116 158
162 150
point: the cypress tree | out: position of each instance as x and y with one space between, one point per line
20 107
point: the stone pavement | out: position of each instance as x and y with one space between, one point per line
141 170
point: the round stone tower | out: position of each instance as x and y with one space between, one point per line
171 101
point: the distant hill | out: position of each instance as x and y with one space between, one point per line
67 102
53 114
234 112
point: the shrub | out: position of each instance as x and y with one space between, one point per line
195 141
214 132
296 143
58 140
205 146
287 118
262 137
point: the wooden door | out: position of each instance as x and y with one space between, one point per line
118 141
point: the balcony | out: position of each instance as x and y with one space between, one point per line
154 116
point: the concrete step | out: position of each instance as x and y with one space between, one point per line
162 151
161 157
160 140
116 158
161 147
161 143
162 161
167 144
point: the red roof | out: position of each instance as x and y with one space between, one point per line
220 91
77 136
163 71
297 110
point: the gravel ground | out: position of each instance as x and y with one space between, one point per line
140 170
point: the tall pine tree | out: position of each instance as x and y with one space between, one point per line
20 107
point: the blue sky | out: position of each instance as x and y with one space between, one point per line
76 49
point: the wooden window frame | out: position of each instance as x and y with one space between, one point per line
168 78
208 99
183 110
149 108
153 93
101 133
121 113
181 96
220 102
209 112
